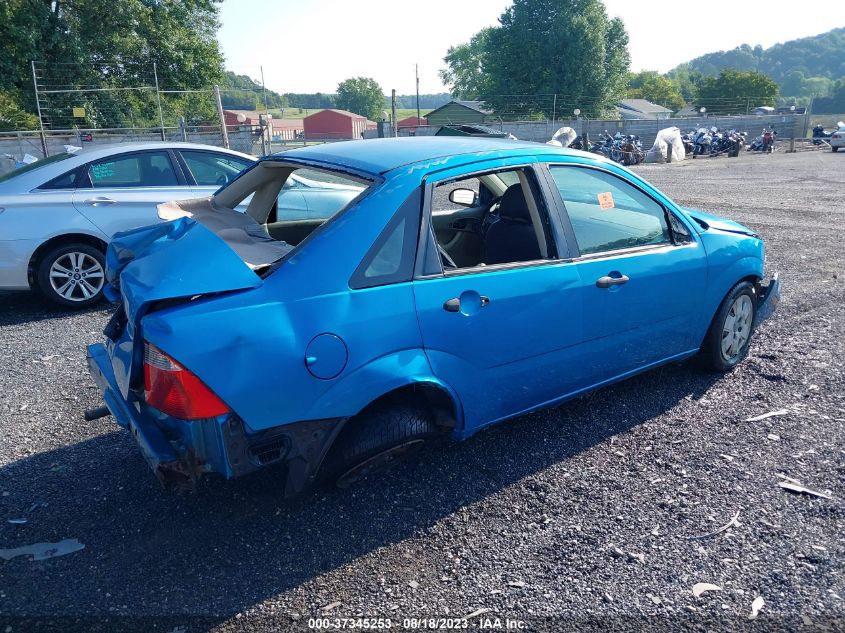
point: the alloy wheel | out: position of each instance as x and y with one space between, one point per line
76 276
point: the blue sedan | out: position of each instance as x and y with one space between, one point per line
467 282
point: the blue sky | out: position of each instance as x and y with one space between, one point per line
311 45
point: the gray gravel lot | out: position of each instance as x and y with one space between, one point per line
577 515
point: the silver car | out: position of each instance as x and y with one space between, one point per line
57 214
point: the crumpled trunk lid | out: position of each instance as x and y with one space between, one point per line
171 261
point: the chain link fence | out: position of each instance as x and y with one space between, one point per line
83 105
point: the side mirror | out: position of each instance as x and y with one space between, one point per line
463 197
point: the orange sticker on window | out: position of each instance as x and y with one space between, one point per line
606 200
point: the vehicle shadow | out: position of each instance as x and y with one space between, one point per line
234 544
24 307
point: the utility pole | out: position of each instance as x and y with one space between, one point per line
263 89
393 112
158 98
417 70
266 113
38 107
222 116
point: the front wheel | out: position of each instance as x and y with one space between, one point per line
376 439
72 275
729 336
834 149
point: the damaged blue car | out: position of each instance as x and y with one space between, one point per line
468 281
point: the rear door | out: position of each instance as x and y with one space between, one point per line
503 336
123 191
643 273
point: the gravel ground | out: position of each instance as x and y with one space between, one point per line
572 518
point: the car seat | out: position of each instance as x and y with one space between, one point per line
512 237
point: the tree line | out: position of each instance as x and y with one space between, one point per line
571 49
568 48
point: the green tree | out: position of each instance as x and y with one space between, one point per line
835 103
361 95
13 116
467 64
686 80
656 88
544 47
99 44
734 92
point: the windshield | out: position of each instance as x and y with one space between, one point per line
32 166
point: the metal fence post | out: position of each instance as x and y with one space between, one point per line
222 116
393 112
158 99
38 107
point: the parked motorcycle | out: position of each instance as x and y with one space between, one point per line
819 134
632 150
769 138
702 142
688 140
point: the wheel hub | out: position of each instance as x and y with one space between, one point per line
737 327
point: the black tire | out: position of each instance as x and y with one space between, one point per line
79 294
834 149
712 355
377 438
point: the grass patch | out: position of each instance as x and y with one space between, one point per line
829 121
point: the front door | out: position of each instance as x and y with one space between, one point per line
643 273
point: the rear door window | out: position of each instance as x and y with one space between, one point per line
147 169
212 169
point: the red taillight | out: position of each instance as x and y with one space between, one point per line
174 390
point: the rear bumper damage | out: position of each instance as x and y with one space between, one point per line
768 297
180 452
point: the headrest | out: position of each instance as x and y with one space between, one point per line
513 206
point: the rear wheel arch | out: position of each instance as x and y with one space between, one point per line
55 242
427 400
439 402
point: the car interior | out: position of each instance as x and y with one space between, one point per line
259 232
490 219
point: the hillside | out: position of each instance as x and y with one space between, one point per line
239 92
803 67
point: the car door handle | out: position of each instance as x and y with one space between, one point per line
99 200
454 304
607 281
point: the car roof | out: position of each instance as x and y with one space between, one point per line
378 156
92 152
39 175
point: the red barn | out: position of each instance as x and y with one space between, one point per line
412 121
335 124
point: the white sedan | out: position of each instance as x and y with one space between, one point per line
57 214
837 139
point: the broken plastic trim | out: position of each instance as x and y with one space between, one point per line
768 297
